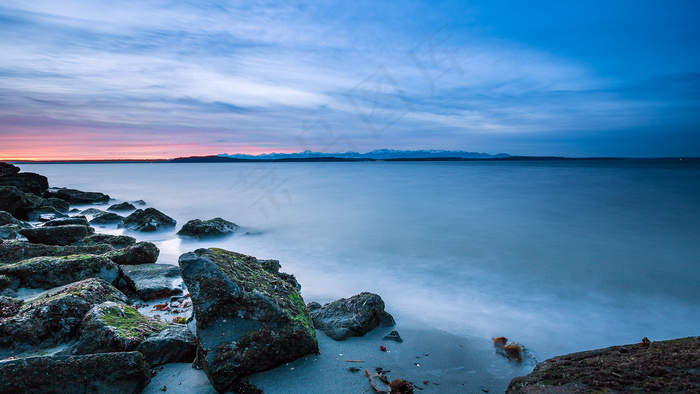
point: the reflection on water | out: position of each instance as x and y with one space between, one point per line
558 256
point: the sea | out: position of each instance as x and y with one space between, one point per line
558 255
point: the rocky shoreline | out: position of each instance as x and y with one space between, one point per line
91 308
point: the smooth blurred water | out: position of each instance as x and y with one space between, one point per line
559 256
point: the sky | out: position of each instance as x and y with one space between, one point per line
165 79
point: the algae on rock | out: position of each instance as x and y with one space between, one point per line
248 318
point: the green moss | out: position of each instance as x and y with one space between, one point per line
128 322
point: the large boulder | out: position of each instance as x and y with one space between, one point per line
48 272
216 227
117 241
73 196
114 373
152 281
248 319
114 327
41 180
175 344
8 169
145 220
351 317
54 316
57 235
12 252
647 367
138 253
96 216
24 184
17 203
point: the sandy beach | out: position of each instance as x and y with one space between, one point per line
435 361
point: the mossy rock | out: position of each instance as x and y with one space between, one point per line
15 251
126 373
116 241
248 318
138 253
115 327
49 272
54 316
216 227
351 317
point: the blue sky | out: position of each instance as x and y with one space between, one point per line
160 79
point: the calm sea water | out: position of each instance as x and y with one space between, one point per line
559 256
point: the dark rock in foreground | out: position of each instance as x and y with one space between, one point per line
40 180
48 272
73 196
216 227
668 366
248 319
352 317
175 344
125 206
114 327
138 253
117 241
145 220
12 252
152 281
54 316
57 235
94 373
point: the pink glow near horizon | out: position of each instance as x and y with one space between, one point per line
83 146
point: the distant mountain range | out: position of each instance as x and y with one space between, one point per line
379 154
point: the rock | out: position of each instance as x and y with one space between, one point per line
121 207
647 367
175 344
9 306
60 205
152 281
48 272
17 203
6 218
6 283
139 253
149 219
44 214
73 196
66 221
40 180
9 231
273 267
94 373
95 216
14 251
8 169
352 317
393 336
26 185
114 327
54 316
117 241
139 202
57 235
248 320
216 227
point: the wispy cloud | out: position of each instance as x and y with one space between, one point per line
232 76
